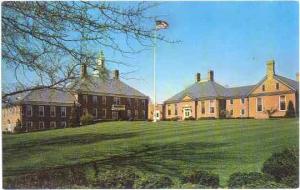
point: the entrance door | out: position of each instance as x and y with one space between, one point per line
115 115
187 112
157 115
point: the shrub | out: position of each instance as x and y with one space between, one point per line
116 179
19 128
172 119
86 119
261 184
192 186
291 181
189 118
202 178
239 179
283 164
206 118
153 182
290 112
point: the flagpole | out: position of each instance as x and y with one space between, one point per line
154 75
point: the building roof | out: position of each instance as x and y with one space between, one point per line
105 86
46 95
241 91
211 89
292 83
199 90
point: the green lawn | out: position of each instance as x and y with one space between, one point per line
221 146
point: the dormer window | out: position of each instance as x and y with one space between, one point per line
263 87
277 86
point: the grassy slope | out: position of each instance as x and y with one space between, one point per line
223 146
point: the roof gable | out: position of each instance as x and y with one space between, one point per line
287 84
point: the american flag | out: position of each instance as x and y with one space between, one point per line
160 24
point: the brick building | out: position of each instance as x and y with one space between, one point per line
104 99
274 96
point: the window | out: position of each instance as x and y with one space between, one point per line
52 124
203 107
85 99
259 104
29 124
117 100
41 125
211 106
115 114
84 111
169 112
63 111
242 100
176 109
231 101
136 113
263 87
63 124
242 111
29 110
231 112
129 102
136 102
277 86
129 113
52 111
282 103
144 114
95 113
41 111
143 103
103 100
103 113
95 99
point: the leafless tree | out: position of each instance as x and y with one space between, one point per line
51 40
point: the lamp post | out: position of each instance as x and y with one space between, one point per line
159 24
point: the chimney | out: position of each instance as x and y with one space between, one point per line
116 74
270 69
198 77
210 75
83 71
297 76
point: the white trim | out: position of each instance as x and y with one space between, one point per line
262 104
95 99
61 111
43 111
129 113
103 115
54 124
209 106
64 123
187 110
43 125
29 106
96 115
284 103
54 111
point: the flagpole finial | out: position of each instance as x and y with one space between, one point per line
160 24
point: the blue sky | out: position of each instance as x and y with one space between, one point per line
235 39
